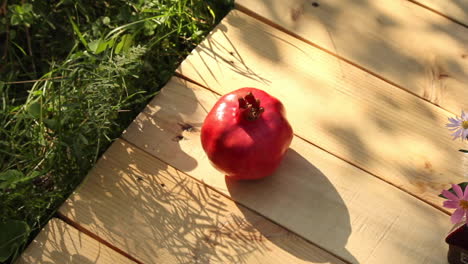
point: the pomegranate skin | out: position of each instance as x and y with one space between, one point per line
246 144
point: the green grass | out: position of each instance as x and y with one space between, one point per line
73 74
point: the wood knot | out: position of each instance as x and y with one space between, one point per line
186 127
443 76
464 56
428 166
296 13
178 138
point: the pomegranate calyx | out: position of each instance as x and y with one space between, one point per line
250 107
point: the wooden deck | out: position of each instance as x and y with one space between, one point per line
368 87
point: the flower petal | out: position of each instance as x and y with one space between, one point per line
456 134
453 121
451 204
450 195
457 215
464 115
465 197
465 134
458 190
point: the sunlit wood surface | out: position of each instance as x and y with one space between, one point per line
368 87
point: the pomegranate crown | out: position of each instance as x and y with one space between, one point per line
250 107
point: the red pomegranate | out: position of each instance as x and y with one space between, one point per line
246 134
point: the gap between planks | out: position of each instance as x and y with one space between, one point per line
85 231
442 209
265 20
60 241
440 13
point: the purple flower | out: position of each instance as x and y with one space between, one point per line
459 125
458 202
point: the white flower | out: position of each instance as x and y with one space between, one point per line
459 125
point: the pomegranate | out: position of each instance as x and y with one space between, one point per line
246 134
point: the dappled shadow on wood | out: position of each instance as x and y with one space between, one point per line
325 221
399 41
157 214
60 243
356 116
151 134
234 60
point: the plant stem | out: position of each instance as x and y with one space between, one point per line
28 38
38 80
4 11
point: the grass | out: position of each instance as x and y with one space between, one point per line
73 74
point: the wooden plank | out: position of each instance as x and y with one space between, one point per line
160 215
59 242
334 105
326 200
454 9
411 46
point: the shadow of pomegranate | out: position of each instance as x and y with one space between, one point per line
300 197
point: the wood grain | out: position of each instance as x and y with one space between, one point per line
324 199
160 215
59 242
354 115
411 46
454 9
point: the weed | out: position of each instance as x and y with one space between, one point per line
73 74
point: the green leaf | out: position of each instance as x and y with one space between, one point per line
20 48
18 9
33 175
51 123
149 27
462 185
106 20
93 45
212 13
15 20
14 109
124 44
27 8
13 234
197 34
83 139
36 93
99 45
35 110
9 178
103 45
78 33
